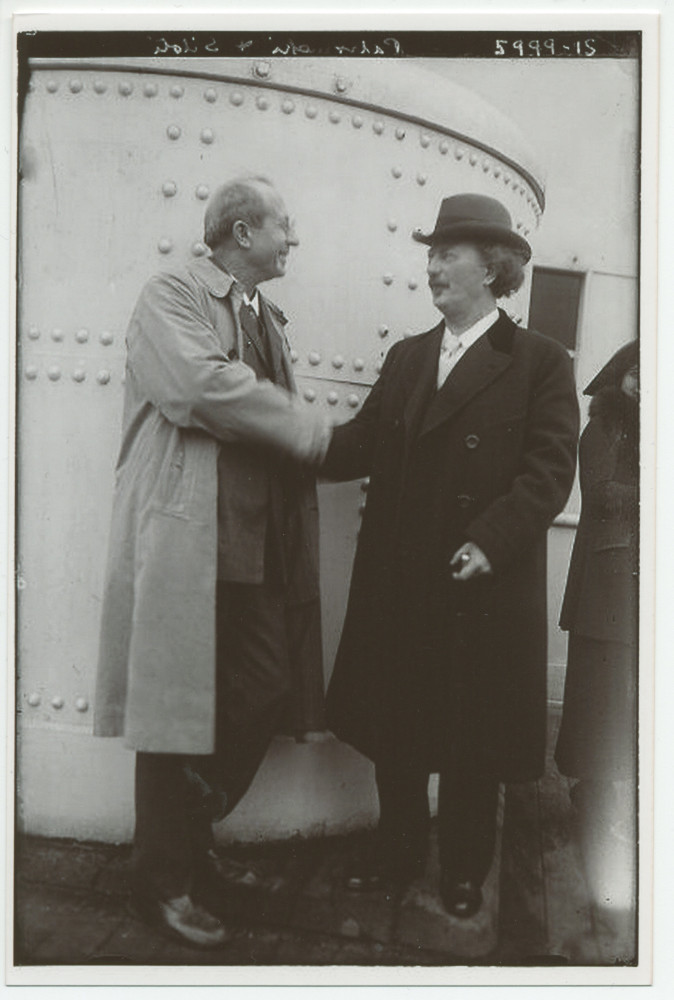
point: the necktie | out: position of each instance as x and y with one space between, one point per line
255 335
450 347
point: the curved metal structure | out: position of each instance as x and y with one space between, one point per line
118 158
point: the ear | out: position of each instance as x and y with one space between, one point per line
489 276
241 233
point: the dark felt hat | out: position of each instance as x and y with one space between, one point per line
615 370
473 217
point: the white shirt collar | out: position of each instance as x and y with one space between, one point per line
254 302
469 336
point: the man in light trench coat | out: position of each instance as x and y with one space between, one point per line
469 440
210 608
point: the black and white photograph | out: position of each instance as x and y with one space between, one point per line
334 416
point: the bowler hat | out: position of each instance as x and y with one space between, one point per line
473 217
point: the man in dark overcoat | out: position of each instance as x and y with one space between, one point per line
469 439
211 617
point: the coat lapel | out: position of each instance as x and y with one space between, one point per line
420 376
480 365
274 321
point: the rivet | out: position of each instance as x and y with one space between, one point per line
486 165
518 226
412 284
33 699
444 147
262 103
497 171
57 335
378 127
177 90
207 136
79 375
106 338
332 398
311 111
33 333
515 185
387 279
383 331
236 98
57 702
173 132
103 377
522 191
421 179
392 225
31 373
459 153
169 188
379 366
262 69
408 333
357 121
294 356
202 192
75 86
150 89
82 336
100 86
31 86
288 107
400 133
396 171
335 117
309 395
21 582
338 361
199 249
165 246
54 373
52 86
81 704
314 358
425 141
472 159
125 88
506 178
210 95
352 400
341 85
358 364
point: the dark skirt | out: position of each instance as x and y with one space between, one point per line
598 735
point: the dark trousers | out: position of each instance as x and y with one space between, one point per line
255 630
467 811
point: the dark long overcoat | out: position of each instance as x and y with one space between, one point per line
490 457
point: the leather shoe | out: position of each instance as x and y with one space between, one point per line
461 899
183 918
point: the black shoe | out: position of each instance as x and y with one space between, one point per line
183 918
461 899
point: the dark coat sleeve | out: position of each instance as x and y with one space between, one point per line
516 520
349 455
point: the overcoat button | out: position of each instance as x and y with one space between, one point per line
472 441
463 500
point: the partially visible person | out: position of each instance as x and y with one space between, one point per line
211 620
597 738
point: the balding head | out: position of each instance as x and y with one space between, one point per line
244 199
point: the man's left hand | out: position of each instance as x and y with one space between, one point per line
469 561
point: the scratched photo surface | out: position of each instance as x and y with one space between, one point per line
123 136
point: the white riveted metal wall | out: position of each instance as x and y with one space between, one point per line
118 159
